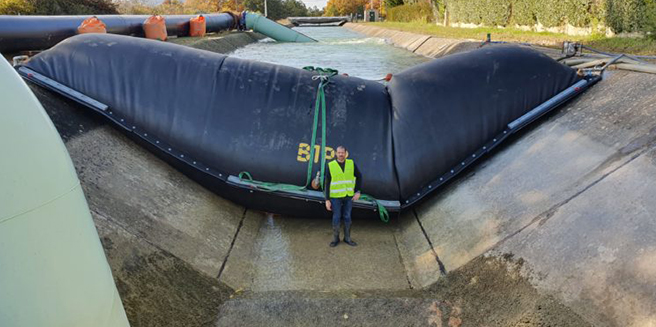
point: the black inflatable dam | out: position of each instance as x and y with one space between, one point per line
213 116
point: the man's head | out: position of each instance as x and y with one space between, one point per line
341 153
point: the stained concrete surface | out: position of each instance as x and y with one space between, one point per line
293 254
424 45
556 164
488 291
598 251
150 199
423 265
428 45
156 287
302 310
220 43
165 237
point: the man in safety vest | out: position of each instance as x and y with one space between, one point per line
342 187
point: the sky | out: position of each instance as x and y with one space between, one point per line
312 3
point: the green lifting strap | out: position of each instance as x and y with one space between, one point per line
324 75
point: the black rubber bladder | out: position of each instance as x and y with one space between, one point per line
213 116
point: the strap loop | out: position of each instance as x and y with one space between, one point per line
323 76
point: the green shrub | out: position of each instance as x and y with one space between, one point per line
550 13
620 15
463 11
420 12
16 7
627 15
487 12
495 12
523 12
73 7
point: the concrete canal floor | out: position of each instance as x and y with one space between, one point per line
556 228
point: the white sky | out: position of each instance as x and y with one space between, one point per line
312 3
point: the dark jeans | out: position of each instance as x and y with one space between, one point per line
342 209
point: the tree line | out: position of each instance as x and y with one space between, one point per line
277 9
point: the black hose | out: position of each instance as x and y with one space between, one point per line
22 33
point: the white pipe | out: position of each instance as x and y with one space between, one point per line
53 271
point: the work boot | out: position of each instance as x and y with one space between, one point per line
347 236
335 237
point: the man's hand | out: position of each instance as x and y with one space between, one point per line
329 205
356 196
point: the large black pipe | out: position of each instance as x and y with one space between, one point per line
21 33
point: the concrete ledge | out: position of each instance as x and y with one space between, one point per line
220 43
421 44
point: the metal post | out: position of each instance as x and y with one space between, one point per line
266 11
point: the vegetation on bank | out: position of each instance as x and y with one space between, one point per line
621 16
351 7
637 45
276 9
57 7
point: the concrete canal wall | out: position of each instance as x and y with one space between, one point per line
570 198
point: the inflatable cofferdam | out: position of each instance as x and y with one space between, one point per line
214 116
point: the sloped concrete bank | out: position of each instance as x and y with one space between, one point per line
166 238
424 45
222 42
572 198
428 45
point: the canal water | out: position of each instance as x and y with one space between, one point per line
338 48
292 254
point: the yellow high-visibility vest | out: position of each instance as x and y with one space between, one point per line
342 183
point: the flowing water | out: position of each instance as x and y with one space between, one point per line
338 48
293 254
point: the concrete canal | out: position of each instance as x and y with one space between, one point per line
520 239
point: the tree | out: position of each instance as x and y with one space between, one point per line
16 7
277 9
73 7
230 5
330 11
393 3
295 8
315 12
171 7
345 7
376 4
201 6
134 7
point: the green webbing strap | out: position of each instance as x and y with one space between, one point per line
324 77
320 106
382 212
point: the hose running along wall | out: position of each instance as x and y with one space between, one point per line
53 270
213 116
19 33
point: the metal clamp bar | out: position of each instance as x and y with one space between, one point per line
61 88
545 107
313 195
